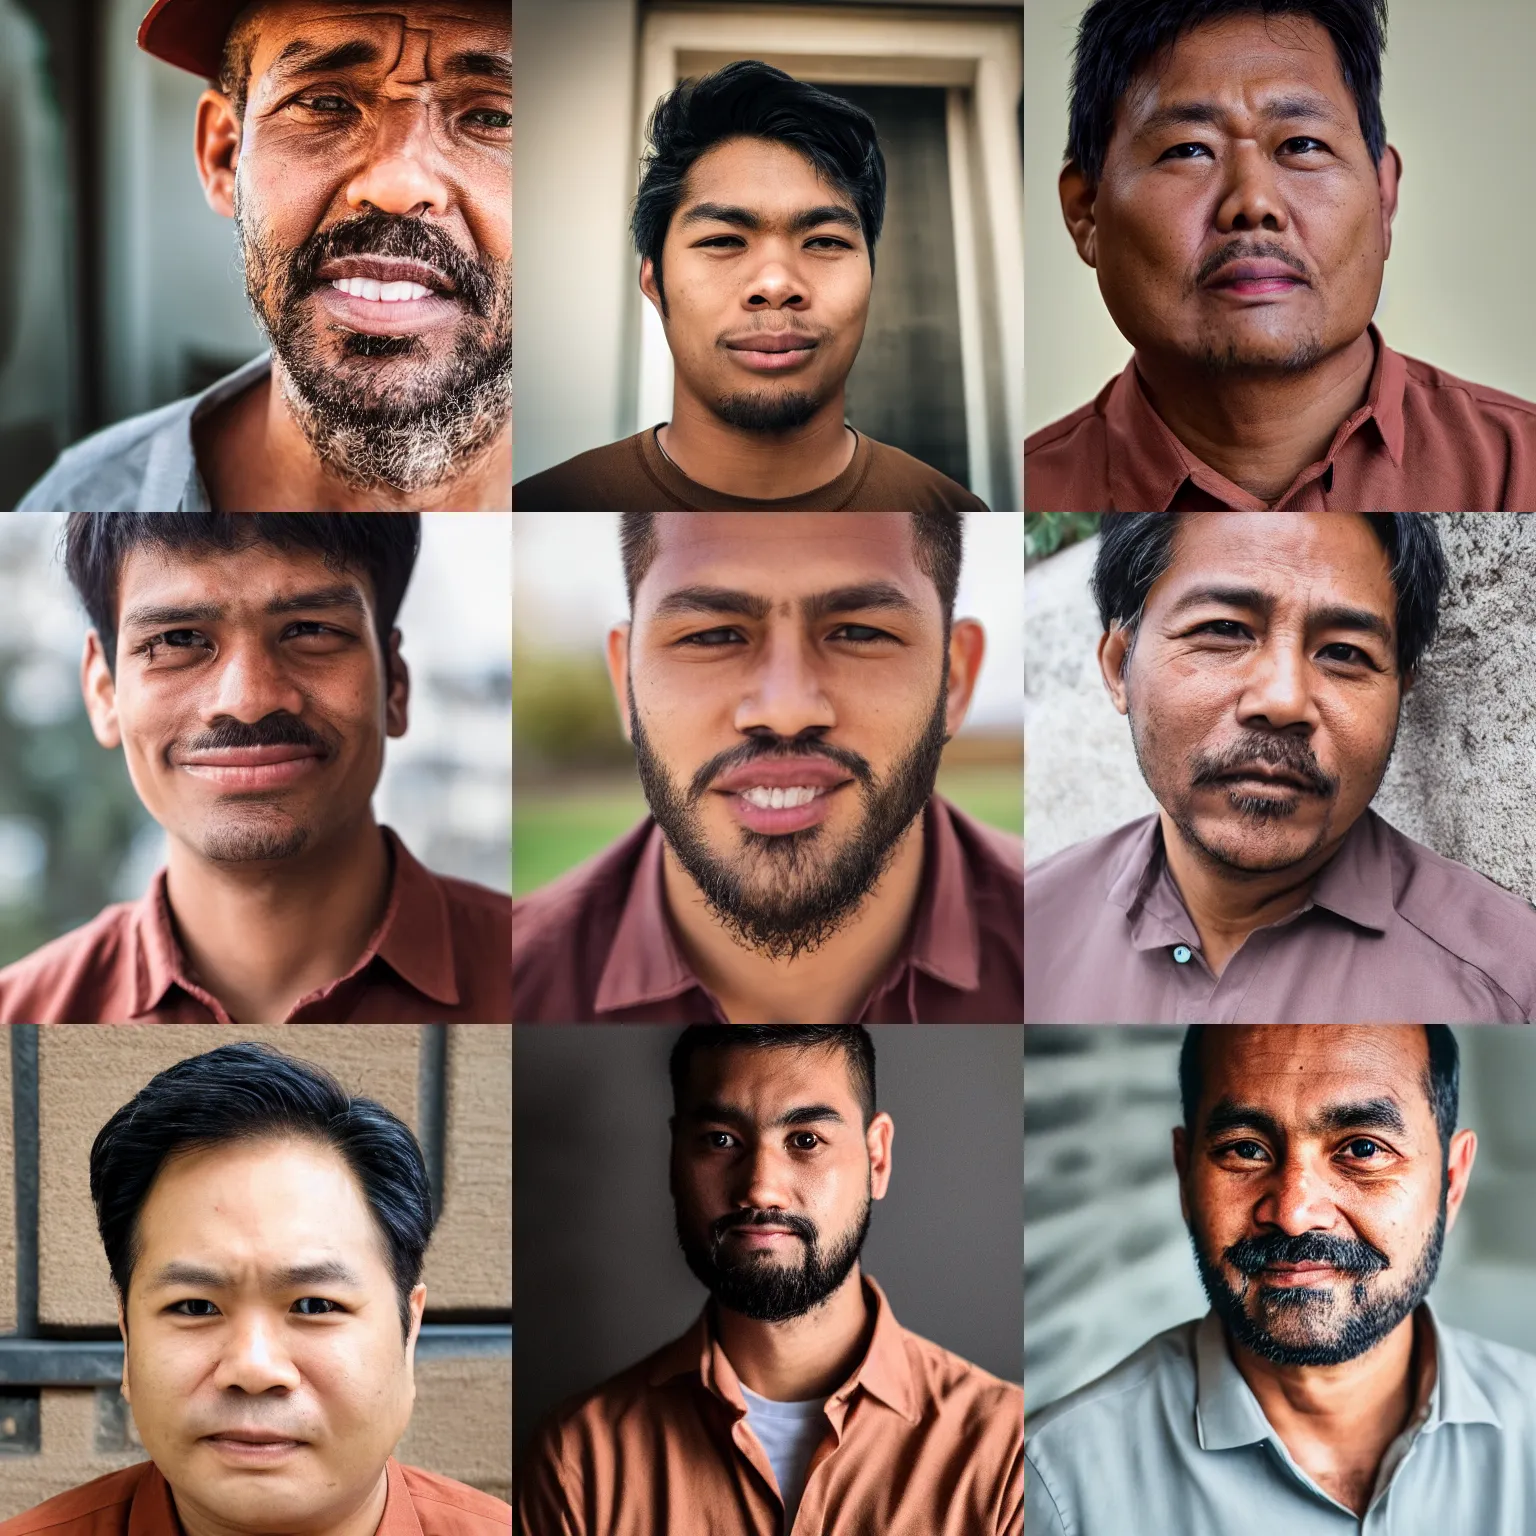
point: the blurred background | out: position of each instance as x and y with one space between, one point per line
119 286
1107 1261
1455 76
73 836
940 374
576 785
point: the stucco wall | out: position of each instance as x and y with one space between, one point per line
1463 779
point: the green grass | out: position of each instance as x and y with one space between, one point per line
554 832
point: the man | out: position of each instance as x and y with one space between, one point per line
788 683
1262 662
365 154
249 668
760 202
265 1232
1319 1171
1229 180
796 1401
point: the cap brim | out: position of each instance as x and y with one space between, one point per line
190 33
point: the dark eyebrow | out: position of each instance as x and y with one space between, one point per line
470 61
302 57
1227 597
744 218
713 600
1334 616
153 616
1198 114
289 1277
859 598
802 1114
1382 1113
1228 1115
157 616
343 595
828 213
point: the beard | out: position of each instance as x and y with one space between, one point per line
767 410
254 830
757 1286
784 896
409 427
1297 1325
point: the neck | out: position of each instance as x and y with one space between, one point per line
1260 430
823 987
261 935
363 1520
804 1357
757 466
1227 904
1338 1420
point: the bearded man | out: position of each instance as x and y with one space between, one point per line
364 152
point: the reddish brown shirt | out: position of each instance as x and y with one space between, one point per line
597 945
441 953
1392 932
634 475
1422 442
918 1443
137 1502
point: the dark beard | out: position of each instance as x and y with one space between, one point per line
767 410
813 897
761 1289
411 434
1367 1322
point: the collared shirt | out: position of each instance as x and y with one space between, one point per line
1391 932
1173 1440
145 464
442 952
918 1442
137 1502
597 945
1422 442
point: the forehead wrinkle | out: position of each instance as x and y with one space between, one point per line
416 45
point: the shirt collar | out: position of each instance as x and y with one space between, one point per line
1148 465
171 476
885 1372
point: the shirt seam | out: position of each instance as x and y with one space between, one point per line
1068 1527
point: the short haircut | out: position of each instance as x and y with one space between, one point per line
1441 1081
851 1039
1118 39
749 99
245 1093
235 66
939 548
1136 548
382 545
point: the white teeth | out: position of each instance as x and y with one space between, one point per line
386 293
779 799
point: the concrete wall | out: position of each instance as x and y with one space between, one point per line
1463 779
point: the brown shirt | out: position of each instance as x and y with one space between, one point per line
918 1443
442 952
597 945
137 1502
634 475
1392 932
1422 442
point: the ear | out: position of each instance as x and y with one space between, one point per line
418 1305
967 648
618 673
1114 653
649 287
216 146
1389 175
1458 1172
100 694
878 1139
397 698
122 1328
1078 195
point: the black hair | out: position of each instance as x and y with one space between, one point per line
851 1039
248 1092
235 64
383 545
1135 548
1441 1083
1117 39
750 99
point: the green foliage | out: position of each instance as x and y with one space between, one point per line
563 713
1047 532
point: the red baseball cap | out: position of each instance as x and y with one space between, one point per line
190 33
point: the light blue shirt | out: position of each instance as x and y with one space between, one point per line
789 1433
1172 1442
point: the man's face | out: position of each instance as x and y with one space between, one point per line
1313 1185
766 278
1240 222
1262 682
261 1307
773 1172
250 698
779 652
374 200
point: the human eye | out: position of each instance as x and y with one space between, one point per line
505 118
712 639
718 1141
1247 1150
721 243
1222 629
325 104
832 242
805 1141
866 634
175 1308
1365 1149
1302 144
1187 151
1344 654
171 640
319 1301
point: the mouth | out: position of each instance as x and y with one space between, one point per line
770 351
778 809
386 296
1284 1275
1256 279
1262 777
252 1451
253 768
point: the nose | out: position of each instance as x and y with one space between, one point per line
785 695
763 1181
1251 198
1276 690
776 286
254 1359
402 172
251 683
1295 1199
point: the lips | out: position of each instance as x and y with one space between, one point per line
1267 773
784 773
387 269
1256 276
771 341
237 769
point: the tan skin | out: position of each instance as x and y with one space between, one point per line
318 1357
760 243
396 137
789 675
822 1168
1244 137
1292 658
1369 1181
259 933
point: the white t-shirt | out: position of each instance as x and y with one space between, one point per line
789 1433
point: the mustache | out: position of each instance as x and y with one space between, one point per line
1288 752
275 730
799 1225
1249 250
766 748
1351 1256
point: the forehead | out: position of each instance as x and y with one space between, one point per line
766 177
247 576
764 1079
448 25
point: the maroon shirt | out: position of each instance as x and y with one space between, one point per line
442 953
597 945
1422 442
1392 932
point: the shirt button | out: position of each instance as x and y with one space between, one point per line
1181 953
